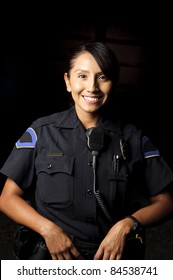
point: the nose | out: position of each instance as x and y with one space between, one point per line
92 85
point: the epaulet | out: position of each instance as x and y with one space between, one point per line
46 120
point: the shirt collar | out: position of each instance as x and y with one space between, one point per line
69 119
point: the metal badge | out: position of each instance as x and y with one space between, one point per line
123 148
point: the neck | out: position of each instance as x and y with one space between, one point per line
88 119
87 123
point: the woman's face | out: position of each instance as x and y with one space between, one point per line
89 87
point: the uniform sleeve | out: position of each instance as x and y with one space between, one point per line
19 166
158 174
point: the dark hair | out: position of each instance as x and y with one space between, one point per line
104 56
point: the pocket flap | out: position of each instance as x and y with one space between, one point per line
63 164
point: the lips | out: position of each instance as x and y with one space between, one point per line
91 99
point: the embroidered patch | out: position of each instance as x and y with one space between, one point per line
28 139
149 149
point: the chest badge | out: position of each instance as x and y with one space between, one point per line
124 149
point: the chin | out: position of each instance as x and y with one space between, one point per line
93 111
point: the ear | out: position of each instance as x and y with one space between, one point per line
67 82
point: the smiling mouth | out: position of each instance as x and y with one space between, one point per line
90 99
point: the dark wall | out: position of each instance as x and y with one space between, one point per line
34 44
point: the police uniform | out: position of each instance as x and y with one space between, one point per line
54 149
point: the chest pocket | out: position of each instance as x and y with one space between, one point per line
55 180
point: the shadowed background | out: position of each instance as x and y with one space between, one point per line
34 42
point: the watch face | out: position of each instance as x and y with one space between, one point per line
135 225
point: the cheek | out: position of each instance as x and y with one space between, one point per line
106 87
107 90
73 85
109 87
76 88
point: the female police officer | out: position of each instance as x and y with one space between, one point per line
85 165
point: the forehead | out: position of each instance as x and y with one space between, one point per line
85 61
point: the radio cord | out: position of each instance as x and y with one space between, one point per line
97 193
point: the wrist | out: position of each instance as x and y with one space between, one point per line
136 225
47 228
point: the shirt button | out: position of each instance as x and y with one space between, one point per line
89 192
49 166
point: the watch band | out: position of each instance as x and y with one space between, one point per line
136 224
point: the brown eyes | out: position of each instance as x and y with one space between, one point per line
84 76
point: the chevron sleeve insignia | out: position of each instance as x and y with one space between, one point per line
149 149
28 139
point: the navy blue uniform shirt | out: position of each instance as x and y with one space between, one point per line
54 151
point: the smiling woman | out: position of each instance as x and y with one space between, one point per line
89 87
90 78
85 167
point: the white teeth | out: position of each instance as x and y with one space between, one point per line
91 98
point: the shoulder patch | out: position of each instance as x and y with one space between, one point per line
28 139
149 149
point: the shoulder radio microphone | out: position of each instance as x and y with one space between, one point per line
95 141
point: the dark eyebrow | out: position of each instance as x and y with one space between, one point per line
86 71
80 69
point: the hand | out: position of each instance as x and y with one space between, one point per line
112 246
60 245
